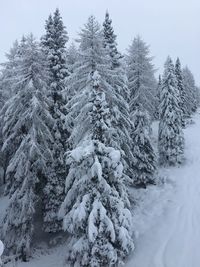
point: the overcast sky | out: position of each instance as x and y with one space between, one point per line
171 27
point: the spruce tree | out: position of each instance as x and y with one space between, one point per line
6 86
72 57
2 95
9 79
26 130
9 85
110 41
93 56
197 94
157 99
141 79
116 60
170 140
180 87
191 92
54 47
144 157
142 87
96 206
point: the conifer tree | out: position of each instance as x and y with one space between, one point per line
54 47
191 92
110 41
142 87
180 87
9 85
141 79
171 140
93 56
2 95
116 60
72 57
157 99
197 93
26 130
144 157
9 78
96 207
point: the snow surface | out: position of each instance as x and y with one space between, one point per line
44 258
166 219
173 238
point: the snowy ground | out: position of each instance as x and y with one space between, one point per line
173 238
167 219
43 258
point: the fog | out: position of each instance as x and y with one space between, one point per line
170 27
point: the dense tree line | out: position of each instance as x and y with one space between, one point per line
75 132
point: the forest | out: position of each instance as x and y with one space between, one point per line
76 140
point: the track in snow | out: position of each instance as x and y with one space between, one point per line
174 239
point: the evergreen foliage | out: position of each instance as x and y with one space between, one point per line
157 99
141 80
72 57
28 135
54 47
170 139
75 135
144 156
191 92
110 41
96 207
180 87
93 56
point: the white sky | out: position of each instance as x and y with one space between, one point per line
171 27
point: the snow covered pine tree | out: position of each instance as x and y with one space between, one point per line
157 100
72 57
8 69
26 127
53 45
142 87
191 92
144 164
119 82
140 71
180 87
170 137
115 82
96 207
8 87
110 41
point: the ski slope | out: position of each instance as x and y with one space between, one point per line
174 238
